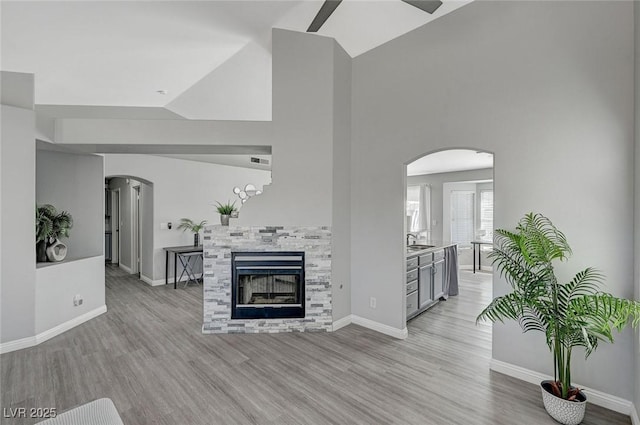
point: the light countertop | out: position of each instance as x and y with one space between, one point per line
435 246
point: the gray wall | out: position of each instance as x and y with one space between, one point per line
146 229
560 123
341 201
436 181
17 223
74 183
58 283
17 90
302 149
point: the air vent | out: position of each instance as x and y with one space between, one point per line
259 161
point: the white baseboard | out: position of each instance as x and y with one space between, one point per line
150 281
596 397
379 327
125 268
50 333
635 420
63 327
341 323
18 344
370 324
160 282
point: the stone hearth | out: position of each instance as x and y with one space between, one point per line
220 241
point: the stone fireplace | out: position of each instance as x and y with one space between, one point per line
267 279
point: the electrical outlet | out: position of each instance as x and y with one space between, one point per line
372 302
77 300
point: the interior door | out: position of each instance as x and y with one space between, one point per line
115 226
135 230
107 224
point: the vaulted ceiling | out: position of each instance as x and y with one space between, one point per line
190 59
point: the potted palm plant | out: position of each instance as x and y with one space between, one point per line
571 314
225 211
51 225
188 224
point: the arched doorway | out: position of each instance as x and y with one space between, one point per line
449 212
129 225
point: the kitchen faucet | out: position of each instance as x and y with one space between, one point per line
411 235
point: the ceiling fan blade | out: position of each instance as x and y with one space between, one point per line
428 6
323 14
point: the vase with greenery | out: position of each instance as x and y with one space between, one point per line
225 211
571 314
188 224
51 226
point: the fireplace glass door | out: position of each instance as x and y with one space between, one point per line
267 285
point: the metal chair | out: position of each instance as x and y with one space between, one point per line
188 266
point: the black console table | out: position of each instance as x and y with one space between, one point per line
479 245
176 250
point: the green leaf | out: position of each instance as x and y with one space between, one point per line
50 224
226 209
188 224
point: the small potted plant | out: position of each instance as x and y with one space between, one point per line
188 224
50 227
225 211
572 314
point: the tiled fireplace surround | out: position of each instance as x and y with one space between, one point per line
220 241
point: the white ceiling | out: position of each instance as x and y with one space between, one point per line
361 25
449 161
120 53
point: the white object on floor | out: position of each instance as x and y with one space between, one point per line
98 412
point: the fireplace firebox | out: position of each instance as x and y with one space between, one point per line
267 285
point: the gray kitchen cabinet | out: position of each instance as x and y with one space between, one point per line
425 287
439 283
412 263
425 281
412 303
412 286
412 275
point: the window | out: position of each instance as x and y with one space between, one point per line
418 208
413 208
462 216
486 214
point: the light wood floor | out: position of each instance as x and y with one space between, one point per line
148 355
